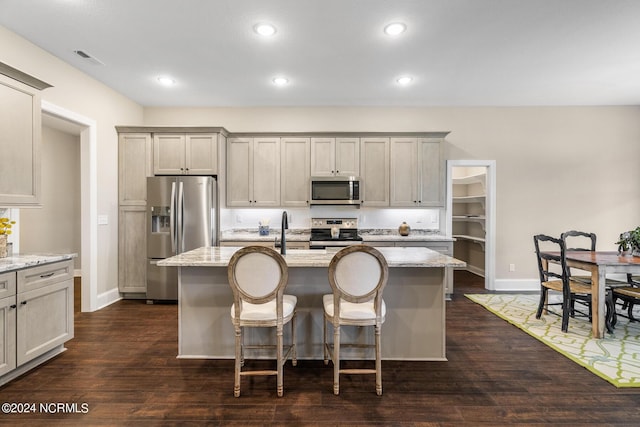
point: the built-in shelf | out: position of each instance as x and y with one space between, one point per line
470 179
469 199
470 238
479 218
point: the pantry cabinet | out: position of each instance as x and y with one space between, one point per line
185 154
20 137
135 164
253 172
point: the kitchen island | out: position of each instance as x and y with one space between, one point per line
414 328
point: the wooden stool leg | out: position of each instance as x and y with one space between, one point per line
279 361
378 363
336 359
236 383
294 356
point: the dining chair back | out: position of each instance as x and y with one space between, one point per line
357 275
258 276
550 258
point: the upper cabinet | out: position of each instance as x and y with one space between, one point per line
185 154
20 137
374 165
294 171
253 172
335 156
134 166
416 173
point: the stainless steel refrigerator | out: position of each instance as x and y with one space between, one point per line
182 214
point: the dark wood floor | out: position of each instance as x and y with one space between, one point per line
122 365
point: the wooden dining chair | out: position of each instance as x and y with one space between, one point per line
551 279
258 277
357 275
630 295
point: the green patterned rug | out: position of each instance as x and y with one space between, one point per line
615 358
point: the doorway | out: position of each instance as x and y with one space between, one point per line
85 128
471 215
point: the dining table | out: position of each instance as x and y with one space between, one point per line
601 264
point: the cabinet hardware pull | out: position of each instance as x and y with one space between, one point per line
13 306
23 303
44 276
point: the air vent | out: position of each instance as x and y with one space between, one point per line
87 57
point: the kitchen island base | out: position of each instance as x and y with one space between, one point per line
414 328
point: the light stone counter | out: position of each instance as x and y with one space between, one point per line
20 261
396 257
388 235
252 235
414 328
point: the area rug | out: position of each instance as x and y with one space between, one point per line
615 358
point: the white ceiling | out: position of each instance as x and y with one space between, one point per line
459 52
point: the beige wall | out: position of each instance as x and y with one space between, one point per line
77 92
557 168
55 228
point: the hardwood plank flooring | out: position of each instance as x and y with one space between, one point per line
122 365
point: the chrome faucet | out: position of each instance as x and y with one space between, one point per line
283 241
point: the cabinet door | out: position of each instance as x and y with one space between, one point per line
404 174
347 157
169 154
266 171
239 171
20 137
7 284
295 171
132 249
44 320
134 166
374 167
323 156
8 311
431 181
202 154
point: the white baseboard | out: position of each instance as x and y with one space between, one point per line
108 298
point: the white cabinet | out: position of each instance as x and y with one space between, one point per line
335 156
185 154
374 166
468 216
253 172
7 322
294 171
20 138
38 317
416 173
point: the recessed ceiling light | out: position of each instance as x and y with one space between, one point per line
280 81
166 81
395 28
264 29
404 80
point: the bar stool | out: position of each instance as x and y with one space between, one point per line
357 275
258 277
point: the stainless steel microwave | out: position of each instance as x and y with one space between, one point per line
335 190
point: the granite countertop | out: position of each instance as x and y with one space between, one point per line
303 235
396 257
20 261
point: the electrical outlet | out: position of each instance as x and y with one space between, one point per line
419 220
512 267
238 219
434 219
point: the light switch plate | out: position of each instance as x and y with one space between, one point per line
103 219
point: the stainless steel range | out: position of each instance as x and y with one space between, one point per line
334 232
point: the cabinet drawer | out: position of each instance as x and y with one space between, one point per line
44 275
7 284
442 247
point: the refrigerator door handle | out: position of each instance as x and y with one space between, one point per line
181 216
172 218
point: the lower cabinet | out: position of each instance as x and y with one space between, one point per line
445 248
38 317
132 250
